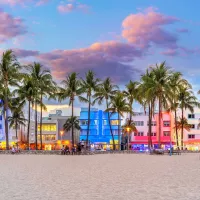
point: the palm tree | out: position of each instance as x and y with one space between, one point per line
40 77
106 91
118 105
17 119
26 93
9 76
147 98
131 93
183 123
71 90
187 101
127 128
89 86
161 77
47 88
176 81
71 123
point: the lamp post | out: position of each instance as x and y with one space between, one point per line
128 129
170 150
61 134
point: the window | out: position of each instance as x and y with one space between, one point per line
47 137
0 117
166 133
139 134
47 127
91 132
84 122
166 123
0 126
114 122
192 125
105 122
153 134
191 136
139 123
107 132
153 123
191 116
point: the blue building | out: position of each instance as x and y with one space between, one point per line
99 130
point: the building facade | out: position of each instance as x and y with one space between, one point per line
99 129
191 138
53 134
139 139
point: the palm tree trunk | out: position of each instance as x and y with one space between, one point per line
119 135
41 121
151 116
72 122
29 116
160 116
16 129
88 126
6 125
182 128
176 128
36 125
149 132
110 126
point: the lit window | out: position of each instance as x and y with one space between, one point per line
114 122
47 127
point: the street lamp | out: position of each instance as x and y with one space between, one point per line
128 129
170 150
61 134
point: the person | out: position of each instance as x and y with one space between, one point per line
73 150
67 150
82 143
13 150
63 150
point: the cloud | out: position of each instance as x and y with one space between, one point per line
22 2
105 59
10 27
146 28
72 6
170 52
22 53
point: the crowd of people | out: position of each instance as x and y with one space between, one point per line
74 150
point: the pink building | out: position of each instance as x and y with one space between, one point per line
140 139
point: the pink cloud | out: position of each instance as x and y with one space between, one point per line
170 52
105 59
10 26
72 6
22 53
146 28
22 2
66 8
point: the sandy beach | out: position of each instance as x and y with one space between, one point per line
100 177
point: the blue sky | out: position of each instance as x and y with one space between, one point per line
59 34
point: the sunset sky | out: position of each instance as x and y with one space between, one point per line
114 38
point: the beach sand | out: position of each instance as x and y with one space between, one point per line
100 177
